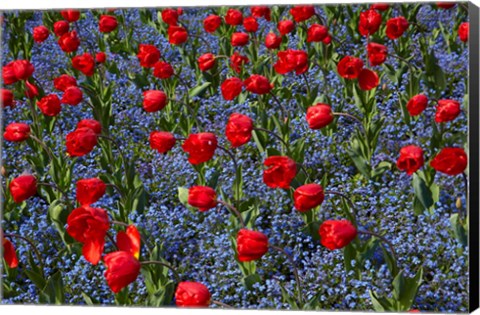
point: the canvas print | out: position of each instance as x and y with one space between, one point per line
302 157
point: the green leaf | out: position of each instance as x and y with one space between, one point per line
422 192
183 195
199 89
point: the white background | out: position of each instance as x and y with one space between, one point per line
69 310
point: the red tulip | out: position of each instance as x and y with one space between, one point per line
70 15
81 141
192 294
308 196
290 60
122 269
411 159
22 69
84 63
129 241
60 28
154 100
250 24
89 226
202 197
206 61
417 104
377 53
90 123
258 84
63 82
302 13
8 74
177 35
447 110
170 16
50 105
162 70
239 129
445 5
148 55
200 147
336 234
349 67
237 62
380 6
463 31
239 39
281 170
285 27
72 96
316 33
162 141
31 90
319 115
212 23
107 23
272 41
23 187
396 27
251 245
451 161
231 88
100 57
369 22
40 34
17 132
90 190
69 42
6 98
233 17
9 254
368 79
261 11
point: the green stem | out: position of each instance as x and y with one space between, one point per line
295 271
156 262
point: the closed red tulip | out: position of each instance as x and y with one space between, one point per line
154 100
237 62
89 226
463 31
450 161
369 22
162 141
272 41
239 39
251 245
200 147
6 98
84 63
380 6
349 67
16 132
70 15
319 116
285 27
308 196
336 234
148 55
291 60
280 172
100 57
40 34
122 269
206 61
411 159
258 84
447 110
23 187
231 88
368 79
202 197
49 105
162 70
60 28
69 42
177 35
9 254
170 16
90 123
212 23
250 24
316 33
302 13
129 241
417 104
377 53
81 141
239 129
23 69
63 82
233 17
107 23
396 27
8 75
261 11
192 294
90 190
72 96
